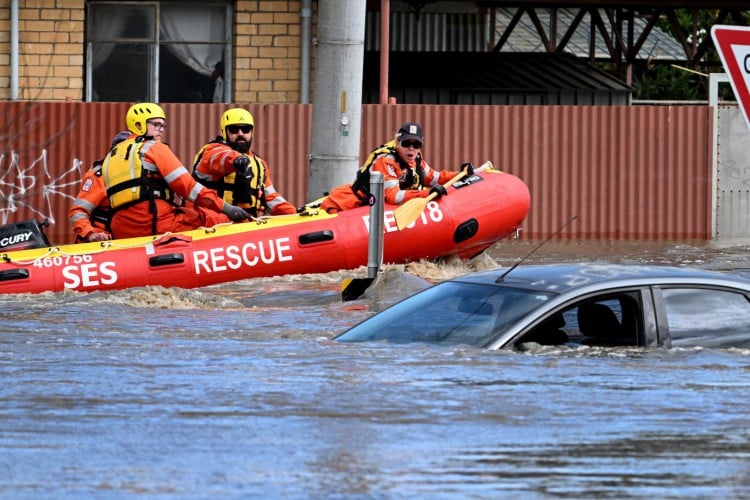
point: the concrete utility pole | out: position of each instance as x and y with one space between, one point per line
337 99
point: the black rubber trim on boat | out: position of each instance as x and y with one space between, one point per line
316 237
167 259
466 230
14 274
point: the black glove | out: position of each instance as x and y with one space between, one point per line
236 214
469 169
240 163
439 191
406 181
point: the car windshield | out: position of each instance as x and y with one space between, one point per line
449 313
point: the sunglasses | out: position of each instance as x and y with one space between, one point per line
234 129
408 144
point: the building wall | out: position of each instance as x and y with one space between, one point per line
732 202
267 51
52 50
626 172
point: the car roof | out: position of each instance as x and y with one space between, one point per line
566 277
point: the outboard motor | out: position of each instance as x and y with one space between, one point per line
23 235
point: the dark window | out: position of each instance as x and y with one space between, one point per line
158 51
612 320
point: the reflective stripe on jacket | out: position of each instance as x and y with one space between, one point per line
90 211
214 167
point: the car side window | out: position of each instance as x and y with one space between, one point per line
707 317
608 321
612 320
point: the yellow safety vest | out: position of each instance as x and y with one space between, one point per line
361 186
130 179
246 191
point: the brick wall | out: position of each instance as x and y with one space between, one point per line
267 51
52 50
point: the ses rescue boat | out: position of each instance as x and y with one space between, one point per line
478 211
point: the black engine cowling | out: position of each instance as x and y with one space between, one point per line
23 235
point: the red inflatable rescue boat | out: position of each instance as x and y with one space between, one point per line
478 211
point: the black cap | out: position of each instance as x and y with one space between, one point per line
410 131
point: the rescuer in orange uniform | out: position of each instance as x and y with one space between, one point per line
144 178
228 165
90 213
406 175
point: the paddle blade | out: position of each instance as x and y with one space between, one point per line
353 288
410 211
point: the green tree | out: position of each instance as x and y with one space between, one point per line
681 81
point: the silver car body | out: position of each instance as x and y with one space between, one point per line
654 306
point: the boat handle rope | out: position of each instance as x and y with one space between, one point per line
57 251
49 252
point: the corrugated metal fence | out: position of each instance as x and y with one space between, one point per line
630 172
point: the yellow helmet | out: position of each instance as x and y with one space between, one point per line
140 113
235 116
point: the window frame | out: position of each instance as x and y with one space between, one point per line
663 315
154 45
638 315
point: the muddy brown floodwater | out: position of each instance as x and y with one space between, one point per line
237 391
701 253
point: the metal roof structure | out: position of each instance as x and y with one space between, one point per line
495 78
658 45
625 30
630 4
620 33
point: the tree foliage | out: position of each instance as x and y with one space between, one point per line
681 81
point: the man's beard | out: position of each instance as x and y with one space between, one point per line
241 146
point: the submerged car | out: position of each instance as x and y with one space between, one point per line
571 304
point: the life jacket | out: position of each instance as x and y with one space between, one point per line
243 189
130 179
408 180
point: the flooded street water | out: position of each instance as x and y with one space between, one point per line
237 391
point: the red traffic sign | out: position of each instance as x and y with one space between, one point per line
733 45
